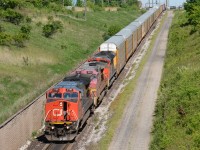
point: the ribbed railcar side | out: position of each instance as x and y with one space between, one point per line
133 29
127 35
143 21
151 17
139 30
116 44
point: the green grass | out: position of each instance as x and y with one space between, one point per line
27 72
177 116
118 105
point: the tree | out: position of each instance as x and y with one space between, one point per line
51 28
192 8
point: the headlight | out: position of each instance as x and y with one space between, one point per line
60 104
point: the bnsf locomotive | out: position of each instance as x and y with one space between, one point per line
70 102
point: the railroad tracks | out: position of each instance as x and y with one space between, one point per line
41 143
58 146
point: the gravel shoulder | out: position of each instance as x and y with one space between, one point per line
134 132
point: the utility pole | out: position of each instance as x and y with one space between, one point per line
167 3
149 4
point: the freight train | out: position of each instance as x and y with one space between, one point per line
70 102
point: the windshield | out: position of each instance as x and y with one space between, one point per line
55 95
72 97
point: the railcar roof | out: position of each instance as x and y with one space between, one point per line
146 15
135 23
131 27
117 40
125 33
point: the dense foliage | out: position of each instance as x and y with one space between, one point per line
52 27
192 8
112 30
177 114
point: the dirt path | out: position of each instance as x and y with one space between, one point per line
134 131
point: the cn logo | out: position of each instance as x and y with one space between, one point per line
57 112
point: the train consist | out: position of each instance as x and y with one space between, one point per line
70 102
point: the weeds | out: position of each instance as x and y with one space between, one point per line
177 111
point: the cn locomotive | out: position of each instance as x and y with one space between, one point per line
70 102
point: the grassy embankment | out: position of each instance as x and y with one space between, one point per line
26 72
177 116
118 105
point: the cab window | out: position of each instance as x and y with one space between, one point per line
72 97
55 95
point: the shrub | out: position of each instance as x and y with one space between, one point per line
50 18
28 19
39 23
20 38
5 4
124 5
26 29
68 3
13 16
48 30
51 28
5 39
113 29
57 25
55 7
79 3
1 29
40 3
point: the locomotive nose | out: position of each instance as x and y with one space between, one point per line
56 111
